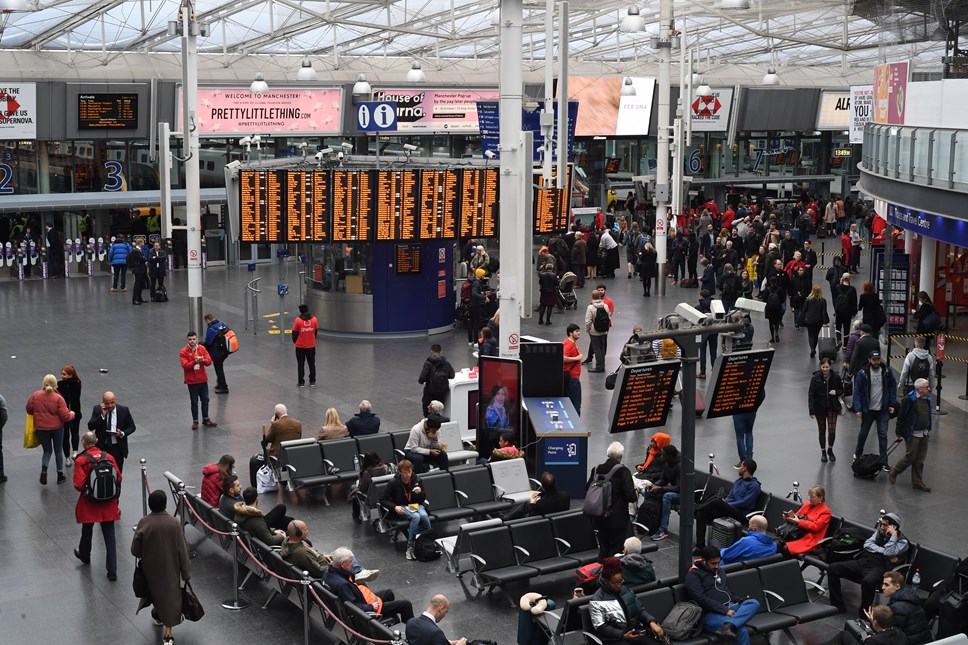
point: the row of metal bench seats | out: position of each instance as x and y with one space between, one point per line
351 615
311 463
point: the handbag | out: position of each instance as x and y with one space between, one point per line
789 532
191 608
140 583
31 440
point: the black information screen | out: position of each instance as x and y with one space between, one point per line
407 258
352 203
101 111
740 382
643 396
550 211
397 205
439 202
478 211
261 206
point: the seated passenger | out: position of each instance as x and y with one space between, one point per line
436 407
882 630
404 496
282 428
636 568
813 517
231 493
756 544
363 422
372 466
298 550
882 550
908 608
423 448
650 470
547 499
667 487
332 428
249 517
740 500
723 614
212 476
616 613
341 581
505 449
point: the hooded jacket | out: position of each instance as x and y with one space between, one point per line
211 484
752 546
637 569
913 355
653 462
251 519
426 374
709 590
909 615
614 614
743 494
590 312
304 330
669 480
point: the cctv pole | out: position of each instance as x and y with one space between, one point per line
662 155
190 29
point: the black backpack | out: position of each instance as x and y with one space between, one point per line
439 381
867 466
920 368
601 319
842 304
774 301
102 483
425 546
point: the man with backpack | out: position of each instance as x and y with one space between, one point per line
98 480
609 492
919 363
723 613
435 377
215 344
598 318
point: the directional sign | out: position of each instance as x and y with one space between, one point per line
376 116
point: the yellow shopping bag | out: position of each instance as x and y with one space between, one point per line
30 435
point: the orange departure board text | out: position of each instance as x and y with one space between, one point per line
439 198
479 195
307 206
261 206
407 258
740 382
352 201
643 396
550 211
321 211
397 205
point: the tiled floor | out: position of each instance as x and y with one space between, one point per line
46 597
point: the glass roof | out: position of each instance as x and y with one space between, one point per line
814 41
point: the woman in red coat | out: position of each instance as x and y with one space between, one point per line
813 517
50 414
212 477
90 512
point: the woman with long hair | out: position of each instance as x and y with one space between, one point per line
50 414
927 316
870 304
332 428
69 387
823 403
845 306
213 476
814 316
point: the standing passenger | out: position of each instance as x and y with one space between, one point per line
304 330
50 414
89 511
194 358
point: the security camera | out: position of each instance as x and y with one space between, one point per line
340 155
690 313
346 146
303 145
326 151
319 156
748 304
489 154
245 141
257 139
718 310
410 147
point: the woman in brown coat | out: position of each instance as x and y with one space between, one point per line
160 543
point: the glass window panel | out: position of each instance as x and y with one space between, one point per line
960 161
922 141
942 155
18 168
904 150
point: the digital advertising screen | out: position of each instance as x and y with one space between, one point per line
643 396
499 408
739 382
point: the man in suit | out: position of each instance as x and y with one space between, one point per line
423 629
283 428
112 424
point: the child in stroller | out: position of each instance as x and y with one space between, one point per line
566 291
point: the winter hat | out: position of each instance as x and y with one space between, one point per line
480 273
894 519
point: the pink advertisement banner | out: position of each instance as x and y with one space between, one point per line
890 93
293 110
436 110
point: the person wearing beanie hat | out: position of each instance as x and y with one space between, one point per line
875 400
475 305
883 551
304 330
617 615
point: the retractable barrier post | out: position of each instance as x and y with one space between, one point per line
964 397
305 581
144 488
44 269
938 375
236 602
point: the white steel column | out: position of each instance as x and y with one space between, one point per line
562 141
929 249
514 256
662 156
190 30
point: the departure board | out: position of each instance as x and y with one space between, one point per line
107 111
643 396
397 205
550 211
352 192
439 197
307 206
261 206
407 258
479 195
740 381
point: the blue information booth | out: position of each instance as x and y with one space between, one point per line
561 442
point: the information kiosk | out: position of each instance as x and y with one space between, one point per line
561 442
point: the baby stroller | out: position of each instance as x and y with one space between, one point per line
566 291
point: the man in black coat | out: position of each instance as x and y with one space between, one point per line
904 601
866 344
423 629
667 486
55 252
365 422
616 526
435 377
112 424
139 266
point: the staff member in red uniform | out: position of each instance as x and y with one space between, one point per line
194 359
89 512
572 365
304 331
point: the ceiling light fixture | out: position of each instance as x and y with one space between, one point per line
627 88
771 78
362 87
633 22
416 73
306 71
703 89
735 5
259 85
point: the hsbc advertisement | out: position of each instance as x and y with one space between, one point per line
710 113
436 110
18 110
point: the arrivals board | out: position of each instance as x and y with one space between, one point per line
397 205
439 199
352 203
550 211
102 111
643 396
478 210
740 382
407 258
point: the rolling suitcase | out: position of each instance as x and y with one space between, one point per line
827 344
868 465
726 531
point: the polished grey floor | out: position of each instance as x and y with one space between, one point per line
47 597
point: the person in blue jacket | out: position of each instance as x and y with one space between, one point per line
723 613
738 503
756 544
118 256
875 400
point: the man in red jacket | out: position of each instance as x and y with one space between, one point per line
304 330
194 358
88 511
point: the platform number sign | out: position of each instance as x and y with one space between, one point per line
695 162
376 116
115 176
6 174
